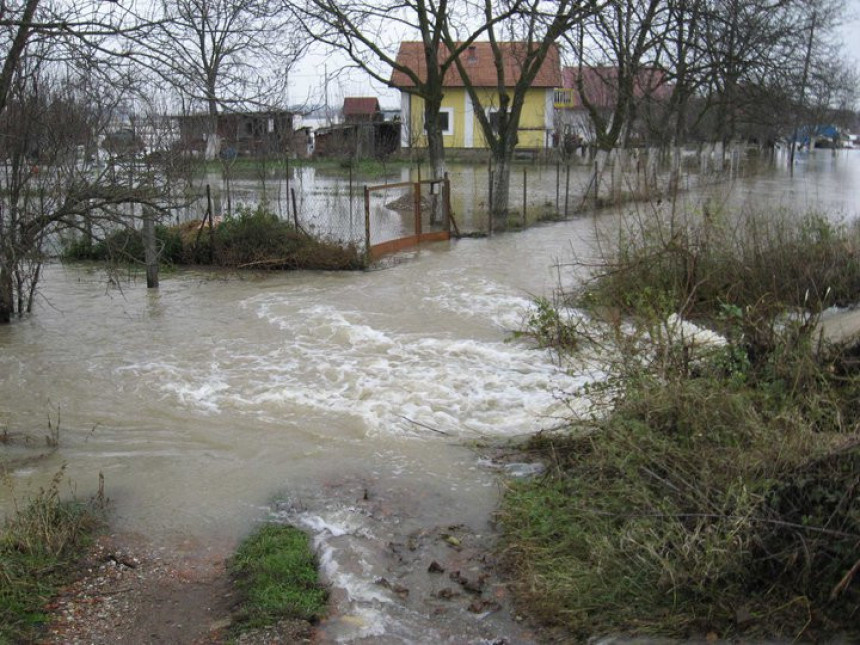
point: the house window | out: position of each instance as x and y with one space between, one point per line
446 121
494 117
563 98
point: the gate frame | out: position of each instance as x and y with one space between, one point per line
375 251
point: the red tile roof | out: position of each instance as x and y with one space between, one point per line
600 84
360 106
478 61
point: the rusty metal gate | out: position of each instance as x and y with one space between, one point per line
431 220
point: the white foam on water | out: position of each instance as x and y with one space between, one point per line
326 358
483 299
339 537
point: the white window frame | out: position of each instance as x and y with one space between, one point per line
450 129
489 111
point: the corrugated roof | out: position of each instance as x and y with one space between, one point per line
478 61
360 105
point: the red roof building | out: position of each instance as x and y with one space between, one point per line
478 61
600 85
361 109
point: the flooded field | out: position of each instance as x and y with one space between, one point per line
348 403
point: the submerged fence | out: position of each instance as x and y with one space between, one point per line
348 207
429 208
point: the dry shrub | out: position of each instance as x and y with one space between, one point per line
764 263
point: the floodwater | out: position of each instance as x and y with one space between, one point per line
211 401
332 204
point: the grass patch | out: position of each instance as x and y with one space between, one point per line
40 546
719 489
275 573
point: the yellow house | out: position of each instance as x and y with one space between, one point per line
460 125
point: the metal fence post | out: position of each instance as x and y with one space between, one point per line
416 207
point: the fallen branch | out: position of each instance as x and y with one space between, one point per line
424 425
846 580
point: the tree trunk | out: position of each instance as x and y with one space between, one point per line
435 142
6 295
501 187
150 249
213 138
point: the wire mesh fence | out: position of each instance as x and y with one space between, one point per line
330 202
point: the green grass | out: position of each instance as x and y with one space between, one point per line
718 489
40 546
276 576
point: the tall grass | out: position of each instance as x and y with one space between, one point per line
40 544
719 494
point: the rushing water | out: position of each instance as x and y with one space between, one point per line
203 401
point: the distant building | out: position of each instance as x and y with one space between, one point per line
364 132
361 109
600 88
242 134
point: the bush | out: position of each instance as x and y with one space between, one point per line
719 490
126 246
252 238
760 264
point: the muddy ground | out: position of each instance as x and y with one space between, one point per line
437 582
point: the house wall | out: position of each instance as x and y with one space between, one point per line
536 120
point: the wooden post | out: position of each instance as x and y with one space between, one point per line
490 204
350 193
367 221
287 187
557 181
448 209
295 209
566 188
211 225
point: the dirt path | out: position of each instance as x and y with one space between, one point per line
437 580
133 592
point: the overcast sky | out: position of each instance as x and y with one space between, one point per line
851 31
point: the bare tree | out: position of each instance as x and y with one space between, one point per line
527 49
621 52
58 90
370 33
223 55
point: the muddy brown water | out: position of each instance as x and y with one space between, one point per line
347 403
